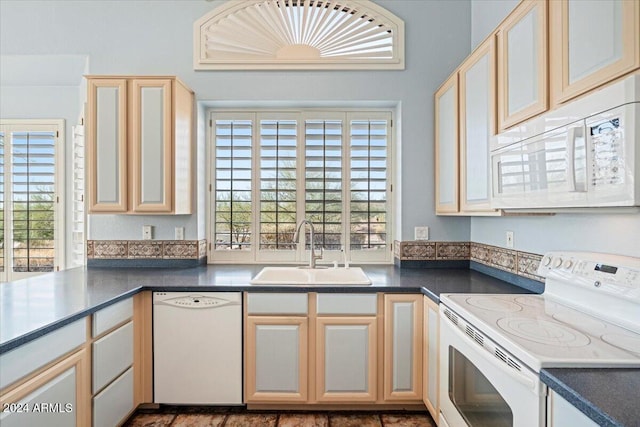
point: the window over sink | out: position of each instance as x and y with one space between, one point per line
269 170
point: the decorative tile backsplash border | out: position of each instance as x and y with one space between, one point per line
146 249
516 262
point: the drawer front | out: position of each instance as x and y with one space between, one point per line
278 303
112 355
111 316
19 362
348 304
115 402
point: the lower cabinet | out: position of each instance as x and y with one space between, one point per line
276 359
333 349
112 364
114 404
346 360
402 347
57 397
430 360
562 413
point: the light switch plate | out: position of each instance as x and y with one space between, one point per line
147 232
179 233
421 233
509 238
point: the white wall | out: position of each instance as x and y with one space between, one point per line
155 37
614 233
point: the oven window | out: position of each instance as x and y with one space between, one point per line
476 399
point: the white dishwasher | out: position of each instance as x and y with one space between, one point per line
197 348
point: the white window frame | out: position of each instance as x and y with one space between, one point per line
301 255
54 125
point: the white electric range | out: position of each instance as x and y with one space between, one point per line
492 347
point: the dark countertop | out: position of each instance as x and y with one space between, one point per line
32 307
609 396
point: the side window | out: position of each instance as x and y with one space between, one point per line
31 198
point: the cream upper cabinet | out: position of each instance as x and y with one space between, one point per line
402 347
446 146
107 141
591 43
522 64
140 145
477 125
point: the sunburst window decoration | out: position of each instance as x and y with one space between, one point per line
299 34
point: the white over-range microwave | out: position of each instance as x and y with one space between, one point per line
584 154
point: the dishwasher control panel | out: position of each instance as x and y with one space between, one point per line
191 301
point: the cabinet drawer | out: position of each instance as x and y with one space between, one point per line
358 304
112 355
278 303
115 402
111 316
27 358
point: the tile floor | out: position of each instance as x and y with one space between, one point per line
219 417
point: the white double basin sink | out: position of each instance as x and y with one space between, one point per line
311 276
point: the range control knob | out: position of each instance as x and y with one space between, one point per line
567 264
546 261
557 262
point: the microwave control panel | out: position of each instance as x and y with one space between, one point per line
607 156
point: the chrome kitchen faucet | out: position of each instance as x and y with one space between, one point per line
296 237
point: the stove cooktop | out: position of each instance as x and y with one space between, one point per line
542 332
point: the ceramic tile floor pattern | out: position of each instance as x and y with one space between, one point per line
190 417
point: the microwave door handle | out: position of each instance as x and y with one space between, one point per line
572 134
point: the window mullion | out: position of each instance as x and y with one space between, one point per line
301 186
346 187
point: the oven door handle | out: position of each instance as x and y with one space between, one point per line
526 378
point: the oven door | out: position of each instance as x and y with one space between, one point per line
481 384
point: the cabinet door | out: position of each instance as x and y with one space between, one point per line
402 347
346 359
59 396
430 360
446 146
592 43
276 359
477 125
151 145
562 413
522 64
107 145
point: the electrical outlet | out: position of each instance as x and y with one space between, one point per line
421 233
147 232
179 233
509 239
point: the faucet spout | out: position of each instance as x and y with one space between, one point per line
296 237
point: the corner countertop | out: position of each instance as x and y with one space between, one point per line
605 395
30 308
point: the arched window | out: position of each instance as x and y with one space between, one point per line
299 34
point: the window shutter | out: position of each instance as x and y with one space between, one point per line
278 140
2 224
323 180
78 231
232 224
369 145
33 200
